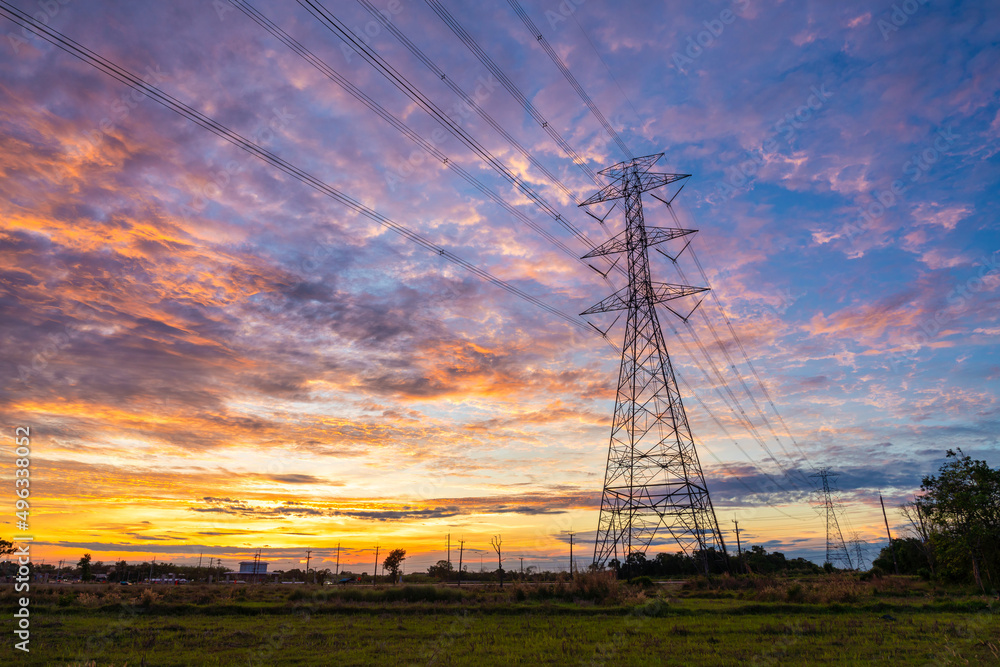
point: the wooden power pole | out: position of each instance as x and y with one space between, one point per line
739 547
892 547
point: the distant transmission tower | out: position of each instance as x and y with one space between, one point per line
654 482
836 548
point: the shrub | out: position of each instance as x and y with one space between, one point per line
412 593
796 593
597 587
148 597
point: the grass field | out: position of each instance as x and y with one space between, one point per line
821 621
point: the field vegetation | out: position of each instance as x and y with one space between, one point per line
595 619
672 609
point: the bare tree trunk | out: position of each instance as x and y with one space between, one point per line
975 572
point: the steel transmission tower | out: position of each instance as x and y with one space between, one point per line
654 482
836 548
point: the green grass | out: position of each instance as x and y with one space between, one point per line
728 624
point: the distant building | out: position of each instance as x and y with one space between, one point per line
249 571
251 567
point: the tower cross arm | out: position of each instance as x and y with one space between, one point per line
648 180
654 235
660 292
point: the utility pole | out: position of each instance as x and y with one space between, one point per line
571 555
199 559
308 554
461 549
739 548
654 483
338 560
836 548
449 549
375 571
892 547
521 558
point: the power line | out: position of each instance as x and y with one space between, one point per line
735 404
732 402
743 351
458 90
690 392
568 75
750 365
398 124
732 365
128 78
511 87
606 66
338 28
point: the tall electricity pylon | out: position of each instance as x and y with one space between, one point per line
836 548
654 482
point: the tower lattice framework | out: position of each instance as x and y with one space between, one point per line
836 548
654 483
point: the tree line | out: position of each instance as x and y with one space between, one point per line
955 526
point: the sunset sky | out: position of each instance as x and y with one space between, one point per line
213 357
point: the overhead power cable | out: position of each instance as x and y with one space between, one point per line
606 66
690 392
398 124
753 369
735 371
126 77
511 87
568 75
728 397
341 30
464 96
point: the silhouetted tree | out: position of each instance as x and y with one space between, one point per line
442 570
7 548
84 566
393 562
495 543
961 509
909 554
